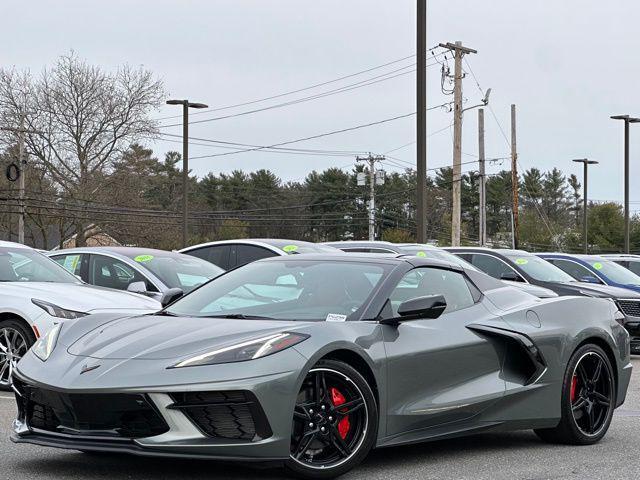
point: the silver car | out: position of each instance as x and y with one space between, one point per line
141 270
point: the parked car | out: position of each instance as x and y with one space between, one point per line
140 270
37 294
628 261
521 266
594 269
424 250
316 373
229 254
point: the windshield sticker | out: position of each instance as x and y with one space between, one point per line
71 262
521 261
421 254
336 317
143 258
290 248
597 266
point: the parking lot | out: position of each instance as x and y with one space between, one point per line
511 456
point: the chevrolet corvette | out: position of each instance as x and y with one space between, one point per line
313 361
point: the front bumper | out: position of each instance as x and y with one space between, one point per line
201 428
632 326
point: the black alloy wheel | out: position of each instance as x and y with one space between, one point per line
588 399
334 421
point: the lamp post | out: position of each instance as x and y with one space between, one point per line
585 162
186 104
627 120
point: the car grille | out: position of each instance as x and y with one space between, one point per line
631 308
235 415
100 415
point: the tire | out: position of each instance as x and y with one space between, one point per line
356 425
21 337
592 418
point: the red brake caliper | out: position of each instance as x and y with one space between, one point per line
338 399
574 388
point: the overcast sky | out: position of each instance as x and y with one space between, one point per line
568 65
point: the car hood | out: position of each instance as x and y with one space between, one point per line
158 337
594 290
80 297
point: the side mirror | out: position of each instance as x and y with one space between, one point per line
430 307
171 296
137 287
511 276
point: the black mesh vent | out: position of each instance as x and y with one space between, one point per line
234 415
109 415
630 307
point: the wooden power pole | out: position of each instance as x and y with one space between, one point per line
458 51
514 177
421 122
483 181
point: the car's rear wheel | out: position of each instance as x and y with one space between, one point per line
15 339
335 422
588 399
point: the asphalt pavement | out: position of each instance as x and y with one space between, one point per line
512 456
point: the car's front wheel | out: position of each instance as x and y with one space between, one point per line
15 340
588 399
335 422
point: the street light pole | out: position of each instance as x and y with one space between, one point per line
185 163
627 120
585 162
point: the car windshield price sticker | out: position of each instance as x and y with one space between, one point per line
597 266
143 258
421 254
521 261
71 262
290 248
336 317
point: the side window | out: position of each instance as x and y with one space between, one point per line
576 270
422 282
71 262
111 273
634 267
218 255
491 265
250 253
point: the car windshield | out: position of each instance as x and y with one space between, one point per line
438 254
613 271
539 269
26 265
177 270
286 290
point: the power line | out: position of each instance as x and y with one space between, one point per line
313 137
310 87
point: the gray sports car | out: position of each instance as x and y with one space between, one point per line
312 361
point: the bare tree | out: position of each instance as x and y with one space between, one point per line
85 118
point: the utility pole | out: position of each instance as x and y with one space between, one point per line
459 51
483 181
23 164
586 163
186 104
373 179
514 178
421 122
627 120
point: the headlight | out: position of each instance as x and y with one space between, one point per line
56 311
249 350
44 347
